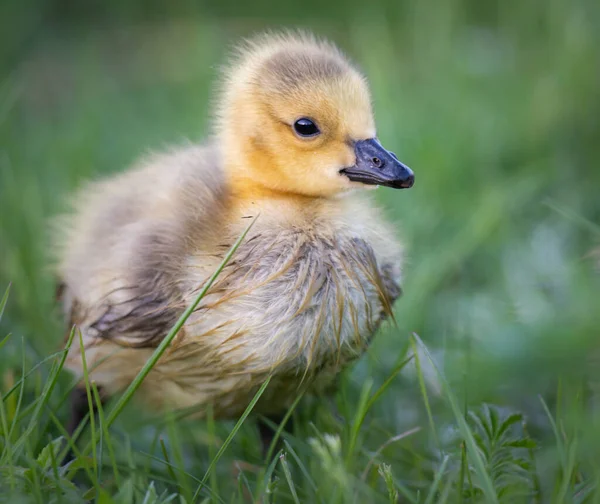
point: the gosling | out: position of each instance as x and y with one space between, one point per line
294 143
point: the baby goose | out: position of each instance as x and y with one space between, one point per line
294 140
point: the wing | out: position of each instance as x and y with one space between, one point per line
122 248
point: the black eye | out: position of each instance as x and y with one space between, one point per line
306 128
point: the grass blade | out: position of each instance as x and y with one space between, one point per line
288 477
394 439
3 303
559 441
267 479
171 468
88 390
44 396
232 434
359 418
24 375
436 482
283 423
165 454
178 457
472 450
212 435
423 389
7 453
302 467
106 436
388 381
278 431
15 419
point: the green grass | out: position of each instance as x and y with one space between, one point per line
485 391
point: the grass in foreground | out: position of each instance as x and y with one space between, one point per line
481 454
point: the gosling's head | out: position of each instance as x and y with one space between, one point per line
295 116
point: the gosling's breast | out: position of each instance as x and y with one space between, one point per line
291 302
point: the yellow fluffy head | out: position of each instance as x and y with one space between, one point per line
275 81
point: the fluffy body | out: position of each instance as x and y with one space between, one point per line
306 290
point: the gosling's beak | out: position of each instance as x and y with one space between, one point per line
377 166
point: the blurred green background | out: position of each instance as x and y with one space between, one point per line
496 107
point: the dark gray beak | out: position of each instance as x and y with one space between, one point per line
377 166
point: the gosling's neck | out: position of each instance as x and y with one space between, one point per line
277 208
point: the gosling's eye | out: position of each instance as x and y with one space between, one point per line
306 128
